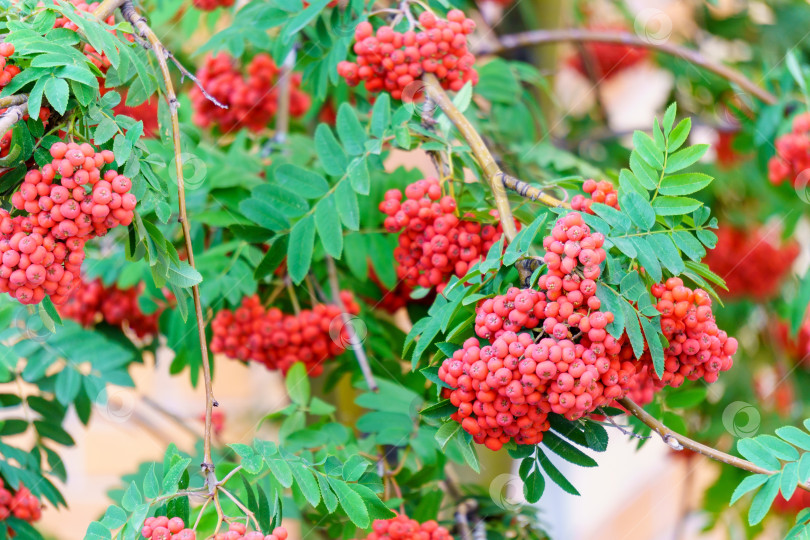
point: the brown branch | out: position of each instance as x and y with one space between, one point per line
107 8
357 346
541 37
186 73
139 23
497 179
12 115
17 99
676 441
283 110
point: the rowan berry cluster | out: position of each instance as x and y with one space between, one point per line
92 302
752 262
402 527
608 59
697 347
279 340
434 243
100 60
21 504
505 390
798 502
600 192
252 102
792 154
163 528
67 202
7 71
390 60
211 5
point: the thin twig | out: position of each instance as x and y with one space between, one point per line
139 23
497 179
676 441
107 8
284 90
229 475
623 429
186 73
241 507
354 341
540 37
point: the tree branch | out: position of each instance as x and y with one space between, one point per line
357 346
541 37
12 115
107 8
139 23
497 179
676 441
284 89
17 99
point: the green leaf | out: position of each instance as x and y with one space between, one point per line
645 147
351 503
297 383
281 471
647 257
794 436
96 531
778 448
347 206
349 129
300 181
151 488
753 451
57 91
330 231
67 386
633 329
684 184
183 275
533 486
272 259
689 245
669 118
628 183
667 253
675 206
381 115
567 451
612 216
679 134
789 479
306 483
299 250
651 333
685 398
172 477
763 500
358 176
748 483
686 157
639 210
643 172
555 475
354 468
332 157
132 497
446 432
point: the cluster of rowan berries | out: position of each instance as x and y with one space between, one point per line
92 302
601 192
279 340
100 60
792 154
608 59
211 5
67 203
402 527
434 243
163 528
391 60
7 71
252 102
798 502
505 390
752 262
21 504
697 347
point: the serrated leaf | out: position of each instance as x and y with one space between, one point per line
667 253
300 248
302 182
327 221
679 134
753 451
57 92
748 483
689 245
675 206
647 257
684 184
175 472
639 210
686 157
330 154
647 150
297 384
763 500
794 436
349 129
